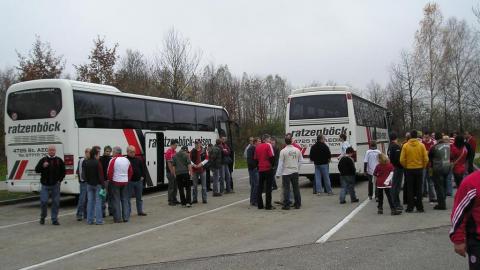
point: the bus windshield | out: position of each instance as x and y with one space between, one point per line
318 106
34 104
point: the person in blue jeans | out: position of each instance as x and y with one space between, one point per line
320 155
82 197
52 171
346 167
252 171
92 171
135 185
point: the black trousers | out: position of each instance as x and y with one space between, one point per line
414 181
440 181
458 179
184 183
473 251
380 198
265 181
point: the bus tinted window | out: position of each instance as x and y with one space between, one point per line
129 112
93 110
184 116
321 106
34 104
205 119
159 115
369 114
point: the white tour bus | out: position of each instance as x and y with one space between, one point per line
331 111
75 115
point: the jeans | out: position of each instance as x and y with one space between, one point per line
82 201
45 193
439 179
195 177
321 173
428 185
414 179
286 180
264 181
120 200
380 198
94 204
172 188
449 186
371 186
396 186
108 200
348 186
135 188
253 177
226 177
217 180
183 183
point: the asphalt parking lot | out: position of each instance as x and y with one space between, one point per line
227 233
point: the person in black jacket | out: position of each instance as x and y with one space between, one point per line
135 185
92 172
252 171
394 150
347 170
52 171
320 155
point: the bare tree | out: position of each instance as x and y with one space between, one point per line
376 93
41 63
101 67
463 59
406 76
179 62
429 51
133 73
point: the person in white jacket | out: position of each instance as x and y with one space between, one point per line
288 166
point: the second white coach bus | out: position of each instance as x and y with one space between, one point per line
75 115
331 111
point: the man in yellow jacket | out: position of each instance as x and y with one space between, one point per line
414 158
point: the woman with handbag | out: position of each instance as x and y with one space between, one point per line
383 180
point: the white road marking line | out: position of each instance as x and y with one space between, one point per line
344 221
131 236
73 213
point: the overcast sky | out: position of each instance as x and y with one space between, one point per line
304 41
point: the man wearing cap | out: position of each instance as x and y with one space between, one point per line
198 158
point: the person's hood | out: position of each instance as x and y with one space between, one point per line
414 142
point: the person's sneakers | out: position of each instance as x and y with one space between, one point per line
408 210
396 212
343 202
189 205
420 211
42 221
142 214
330 193
55 223
79 218
314 192
216 194
270 208
117 221
380 211
286 208
297 206
438 207
125 220
355 200
194 201
278 202
369 197
400 208
204 201
99 223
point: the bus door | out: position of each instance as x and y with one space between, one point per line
154 161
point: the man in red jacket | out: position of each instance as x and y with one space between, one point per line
264 156
465 231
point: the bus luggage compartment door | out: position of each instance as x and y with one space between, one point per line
154 161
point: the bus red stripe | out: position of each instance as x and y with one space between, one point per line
21 169
132 140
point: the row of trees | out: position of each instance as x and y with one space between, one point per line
436 84
256 103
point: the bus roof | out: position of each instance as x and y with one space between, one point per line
94 87
321 88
